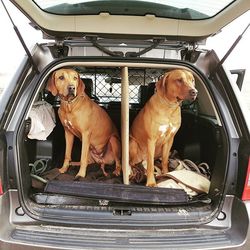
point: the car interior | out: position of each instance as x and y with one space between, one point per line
199 140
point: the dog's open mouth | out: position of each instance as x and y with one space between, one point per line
188 98
192 98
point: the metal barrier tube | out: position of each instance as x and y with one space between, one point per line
125 125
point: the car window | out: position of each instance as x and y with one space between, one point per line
181 9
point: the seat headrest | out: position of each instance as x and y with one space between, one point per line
88 82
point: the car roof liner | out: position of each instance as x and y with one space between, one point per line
21 39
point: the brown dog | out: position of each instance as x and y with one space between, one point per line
153 130
85 119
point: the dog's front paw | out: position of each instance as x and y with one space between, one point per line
78 178
80 175
151 184
63 169
164 170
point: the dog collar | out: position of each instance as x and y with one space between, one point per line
68 103
164 101
71 101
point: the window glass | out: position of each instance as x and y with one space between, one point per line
181 9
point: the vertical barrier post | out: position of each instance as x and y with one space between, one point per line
125 125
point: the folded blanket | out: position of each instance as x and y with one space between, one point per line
42 120
185 174
190 179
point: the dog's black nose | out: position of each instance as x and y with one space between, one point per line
71 89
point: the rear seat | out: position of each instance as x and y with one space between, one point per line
114 111
145 92
88 82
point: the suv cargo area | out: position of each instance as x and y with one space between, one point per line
122 87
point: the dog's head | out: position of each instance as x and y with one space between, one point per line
66 83
177 85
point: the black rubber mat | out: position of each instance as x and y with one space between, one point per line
118 192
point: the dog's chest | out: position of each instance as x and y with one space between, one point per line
166 130
72 128
168 126
68 121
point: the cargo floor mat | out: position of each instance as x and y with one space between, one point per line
118 193
94 174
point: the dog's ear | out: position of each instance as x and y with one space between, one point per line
80 87
51 85
161 84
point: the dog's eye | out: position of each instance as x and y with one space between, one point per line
75 77
61 77
180 81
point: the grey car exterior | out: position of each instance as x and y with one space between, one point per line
33 220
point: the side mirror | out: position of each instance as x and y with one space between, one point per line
240 76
